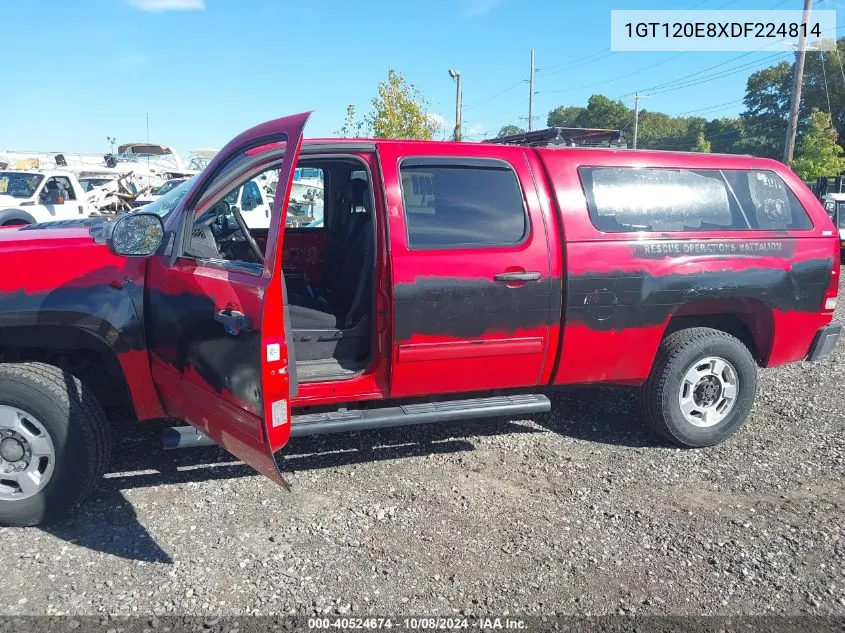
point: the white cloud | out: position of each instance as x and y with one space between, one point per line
157 6
440 120
477 130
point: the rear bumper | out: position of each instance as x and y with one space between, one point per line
824 342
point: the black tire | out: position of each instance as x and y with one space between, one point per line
78 429
659 401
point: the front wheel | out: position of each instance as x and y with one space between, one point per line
55 443
701 387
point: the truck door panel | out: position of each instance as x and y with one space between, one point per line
219 352
474 294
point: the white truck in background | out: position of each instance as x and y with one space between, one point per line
31 197
254 203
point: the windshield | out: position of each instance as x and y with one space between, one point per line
169 185
19 185
166 203
89 183
840 211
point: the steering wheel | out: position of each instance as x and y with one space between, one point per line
210 220
245 236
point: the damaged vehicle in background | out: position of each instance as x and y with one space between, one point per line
156 192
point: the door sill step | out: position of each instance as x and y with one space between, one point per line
346 420
421 413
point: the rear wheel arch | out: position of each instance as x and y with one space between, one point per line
749 320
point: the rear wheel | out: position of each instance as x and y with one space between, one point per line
55 443
701 387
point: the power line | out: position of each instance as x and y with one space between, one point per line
826 91
683 144
668 59
707 78
713 107
578 62
519 106
607 81
531 94
689 80
498 94
606 52
690 77
704 70
624 127
721 75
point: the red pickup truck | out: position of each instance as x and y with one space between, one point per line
437 282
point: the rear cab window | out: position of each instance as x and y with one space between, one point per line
659 199
458 203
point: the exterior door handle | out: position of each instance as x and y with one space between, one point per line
233 321
525 276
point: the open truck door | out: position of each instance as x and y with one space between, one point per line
220 354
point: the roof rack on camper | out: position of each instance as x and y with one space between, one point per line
564 136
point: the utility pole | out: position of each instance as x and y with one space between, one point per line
456 75
531 94
636 117
797 83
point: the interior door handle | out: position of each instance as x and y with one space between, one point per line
233 321
517 276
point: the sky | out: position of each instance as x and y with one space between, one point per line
79 71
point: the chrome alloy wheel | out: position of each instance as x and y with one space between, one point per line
27 455
708 391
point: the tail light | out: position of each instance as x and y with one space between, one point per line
830 294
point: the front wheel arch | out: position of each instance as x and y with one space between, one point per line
15 217
78 351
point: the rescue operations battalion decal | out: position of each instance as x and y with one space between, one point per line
742 248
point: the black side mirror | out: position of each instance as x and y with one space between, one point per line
135 235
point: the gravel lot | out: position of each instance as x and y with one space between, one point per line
579 511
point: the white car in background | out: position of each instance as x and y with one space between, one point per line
30 197
834 204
